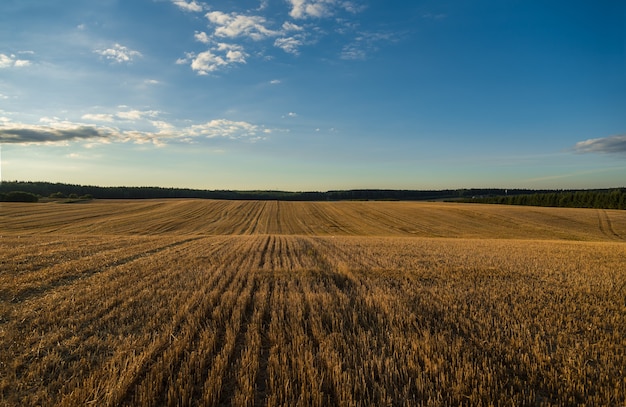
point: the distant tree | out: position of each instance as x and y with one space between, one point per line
20 196
87 196
72 196
58 195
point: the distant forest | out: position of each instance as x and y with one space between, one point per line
603 198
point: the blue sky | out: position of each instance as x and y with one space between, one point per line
314 94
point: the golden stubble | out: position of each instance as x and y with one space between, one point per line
288 303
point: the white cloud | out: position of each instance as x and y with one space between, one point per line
301 9
202 37
286 35
207 62
188 56
226 128
137 114
220 56
151 82
235 25
98 117
128 115
11 61
275 81
288 26
118 53
21 63
5 61
309 8
192 6
162 126
290 45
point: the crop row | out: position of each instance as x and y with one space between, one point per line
415 219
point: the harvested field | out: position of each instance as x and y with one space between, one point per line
195 302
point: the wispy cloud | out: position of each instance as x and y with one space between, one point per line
98 117
301 28
301 9
228 129
11 61
610 145
159 132
236 25
137 114
291 45
118 53
129 115
434 16
191 6
365 43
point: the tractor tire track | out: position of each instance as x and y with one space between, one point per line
606 227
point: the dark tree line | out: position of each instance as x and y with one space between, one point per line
608 199
18 196
60 190
604 199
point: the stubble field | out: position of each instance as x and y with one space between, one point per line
196 302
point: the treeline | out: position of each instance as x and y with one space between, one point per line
59 190
601 199
18 196
605 198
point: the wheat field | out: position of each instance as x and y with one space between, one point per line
265 303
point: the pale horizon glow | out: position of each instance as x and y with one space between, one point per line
313 95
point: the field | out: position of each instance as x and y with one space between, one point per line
198 302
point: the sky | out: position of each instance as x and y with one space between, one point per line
314 95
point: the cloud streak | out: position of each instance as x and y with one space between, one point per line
24 134
608 145
160 132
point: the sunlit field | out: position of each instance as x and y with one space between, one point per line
259 303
